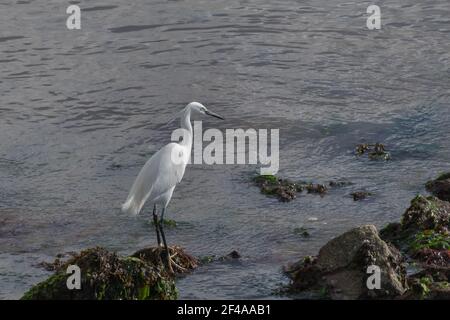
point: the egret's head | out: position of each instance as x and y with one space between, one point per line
198 107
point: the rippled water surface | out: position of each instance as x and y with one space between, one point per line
81 111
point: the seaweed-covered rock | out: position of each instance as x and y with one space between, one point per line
424 225
339 183
360 195
105 275
375 151
440 187
286 190
423 236
426 213
341 267
283 189
430 284
316 188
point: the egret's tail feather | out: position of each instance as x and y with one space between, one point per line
130 207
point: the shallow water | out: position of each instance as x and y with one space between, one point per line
81 111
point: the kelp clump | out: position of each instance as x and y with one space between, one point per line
286 190
107 276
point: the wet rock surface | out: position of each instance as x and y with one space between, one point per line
108 276
440 187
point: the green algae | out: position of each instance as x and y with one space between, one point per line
430 239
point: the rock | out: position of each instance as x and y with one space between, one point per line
426 213
341 265
107 276
284 190
360 195
424 225
440 187
430 284
339 183
50 266
302 231
375 151
423 236
316 188
231 256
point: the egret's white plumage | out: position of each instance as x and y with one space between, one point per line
165 169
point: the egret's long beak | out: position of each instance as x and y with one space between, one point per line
212 114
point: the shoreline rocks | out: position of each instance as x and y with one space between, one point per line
419 242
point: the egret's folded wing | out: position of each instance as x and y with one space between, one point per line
142 186
171 168
163 171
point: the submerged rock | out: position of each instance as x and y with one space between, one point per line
360 195
375 151
286 190
107 276
316 188
440 187
339 183
302 231
341 265
233 255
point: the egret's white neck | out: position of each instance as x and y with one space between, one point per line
186 125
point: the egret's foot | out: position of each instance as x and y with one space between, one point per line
172 266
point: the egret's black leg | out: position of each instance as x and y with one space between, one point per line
156 223
166 248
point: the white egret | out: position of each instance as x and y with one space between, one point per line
162 172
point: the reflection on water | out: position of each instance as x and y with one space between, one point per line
81 111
